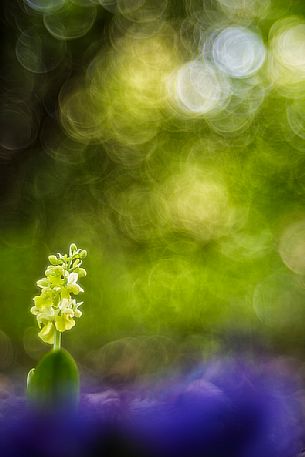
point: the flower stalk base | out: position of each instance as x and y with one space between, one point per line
57 341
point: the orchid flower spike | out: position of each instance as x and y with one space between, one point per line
56 306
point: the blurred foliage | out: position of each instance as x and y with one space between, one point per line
168 139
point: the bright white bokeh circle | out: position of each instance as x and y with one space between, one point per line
238 51
289 46
200 89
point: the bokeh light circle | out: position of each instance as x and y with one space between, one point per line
292 247
296 118
238 51
200 89
109 5
289 44
245 8
70 22
38 52
45 6
18 126
142 10
287 61
279 302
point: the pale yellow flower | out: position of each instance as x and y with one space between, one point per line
55 308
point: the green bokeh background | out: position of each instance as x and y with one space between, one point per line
183 222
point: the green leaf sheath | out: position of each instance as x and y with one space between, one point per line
54 384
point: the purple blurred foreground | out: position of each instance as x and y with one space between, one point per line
220 409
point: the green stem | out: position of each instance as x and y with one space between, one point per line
57 341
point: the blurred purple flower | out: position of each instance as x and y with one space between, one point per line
220 409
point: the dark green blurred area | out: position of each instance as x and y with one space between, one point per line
194 223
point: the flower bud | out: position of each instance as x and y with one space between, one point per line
72 249
54 260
